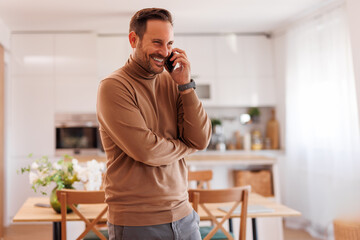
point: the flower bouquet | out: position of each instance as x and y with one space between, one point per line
64 173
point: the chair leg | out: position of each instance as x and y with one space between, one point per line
254 228
230 225
56 230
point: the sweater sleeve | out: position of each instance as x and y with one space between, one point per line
193 122
122 120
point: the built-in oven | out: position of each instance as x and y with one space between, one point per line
77 134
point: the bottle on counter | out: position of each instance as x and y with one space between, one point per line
256 140
267 143
218 138
247 142
230 146
238 142
272 131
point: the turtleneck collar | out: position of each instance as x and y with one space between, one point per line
134 69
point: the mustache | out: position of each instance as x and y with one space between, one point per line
157 56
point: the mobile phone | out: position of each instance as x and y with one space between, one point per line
169 64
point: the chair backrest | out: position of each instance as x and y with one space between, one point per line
201 178
237 195
69 197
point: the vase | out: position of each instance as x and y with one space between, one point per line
54 202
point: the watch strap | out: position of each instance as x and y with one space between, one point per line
186 86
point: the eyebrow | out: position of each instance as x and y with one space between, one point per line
160 40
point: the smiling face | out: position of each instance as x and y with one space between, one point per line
151 51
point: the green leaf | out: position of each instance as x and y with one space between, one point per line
68 156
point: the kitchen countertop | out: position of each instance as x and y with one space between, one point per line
212 157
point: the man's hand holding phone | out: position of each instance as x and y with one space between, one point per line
181 75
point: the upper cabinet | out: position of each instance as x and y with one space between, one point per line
199 50
32 54
75 72
32 95
75 54
201 54
229 70
244 71
68 61
113 52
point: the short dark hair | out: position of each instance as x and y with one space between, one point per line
140 18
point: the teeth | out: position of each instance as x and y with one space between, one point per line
158 59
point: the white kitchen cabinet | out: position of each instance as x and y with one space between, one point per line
180 42
68 61
230 60
244 71
257 56
229 70
235 91
201 54
113 52
200 51
75 71
32 95
75 54
76 94
32 54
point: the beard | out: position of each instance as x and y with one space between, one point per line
147 61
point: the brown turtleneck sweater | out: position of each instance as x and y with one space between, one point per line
147 128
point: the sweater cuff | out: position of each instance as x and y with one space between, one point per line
190 98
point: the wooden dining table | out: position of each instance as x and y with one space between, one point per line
31 212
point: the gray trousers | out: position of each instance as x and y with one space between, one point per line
186 228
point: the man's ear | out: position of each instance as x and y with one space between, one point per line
133 39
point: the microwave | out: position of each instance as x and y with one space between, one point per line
77 134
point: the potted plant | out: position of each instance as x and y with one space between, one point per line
254 113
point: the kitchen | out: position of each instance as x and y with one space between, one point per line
46 69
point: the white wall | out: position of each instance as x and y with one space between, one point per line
5 42
353 9
4 35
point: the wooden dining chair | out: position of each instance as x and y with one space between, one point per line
238 195
70 198
202 178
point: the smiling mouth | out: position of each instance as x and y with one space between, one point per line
158 60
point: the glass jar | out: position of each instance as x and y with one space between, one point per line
256 140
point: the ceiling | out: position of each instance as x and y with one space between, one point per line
190 16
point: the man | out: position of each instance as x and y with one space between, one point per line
150 120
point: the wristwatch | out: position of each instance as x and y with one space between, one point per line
189 85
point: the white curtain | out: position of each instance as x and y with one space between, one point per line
322 127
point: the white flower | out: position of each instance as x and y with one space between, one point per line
42 175
91 175
75 162
33 177
34 166
76 166
57 166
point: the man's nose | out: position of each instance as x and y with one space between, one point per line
165 51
